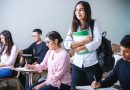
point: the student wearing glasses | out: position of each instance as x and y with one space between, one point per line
38 50
57 62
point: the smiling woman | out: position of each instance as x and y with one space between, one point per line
80 39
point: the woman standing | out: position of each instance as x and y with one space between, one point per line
84 38
57 62
8 54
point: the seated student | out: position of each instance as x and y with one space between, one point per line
57 62
121 71
38 48
8 54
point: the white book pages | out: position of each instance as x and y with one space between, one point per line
90 88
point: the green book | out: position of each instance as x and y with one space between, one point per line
80 35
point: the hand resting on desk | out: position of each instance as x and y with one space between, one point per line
95 85
28 66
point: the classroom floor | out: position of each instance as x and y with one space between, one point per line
11 85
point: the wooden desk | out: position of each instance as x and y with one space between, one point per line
29 72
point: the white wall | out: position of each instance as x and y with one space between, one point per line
113 16
22 16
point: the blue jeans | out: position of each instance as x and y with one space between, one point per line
50 87
84 76
5 72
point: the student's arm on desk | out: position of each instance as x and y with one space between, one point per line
29 49
33 67
112 78
95 85
107 82
28 66
40 67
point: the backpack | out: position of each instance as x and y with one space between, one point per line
105 55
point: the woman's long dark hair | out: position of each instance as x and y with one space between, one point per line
88 18
8 40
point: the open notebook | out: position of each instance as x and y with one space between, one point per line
24 69
90 88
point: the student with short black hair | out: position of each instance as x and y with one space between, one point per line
121 71
39 31
38 48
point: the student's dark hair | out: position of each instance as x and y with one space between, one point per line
125 42
39 31
54 35
88 18
8 40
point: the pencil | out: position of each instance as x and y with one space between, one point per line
94 78
26 62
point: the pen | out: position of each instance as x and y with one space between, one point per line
26 62
94 78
